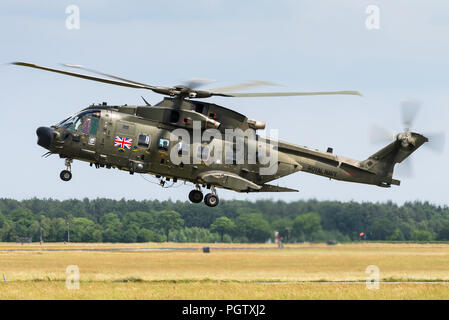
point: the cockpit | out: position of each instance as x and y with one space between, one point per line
84 122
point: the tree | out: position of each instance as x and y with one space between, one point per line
284 226
396 236
141 218
253 226
443 234
422 235
306 224
7 229
129 235
222 226
168 220
82 230
131 220
58 228
382 229
112 227
144 235
3 227
23 219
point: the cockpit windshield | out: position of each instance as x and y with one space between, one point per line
86 120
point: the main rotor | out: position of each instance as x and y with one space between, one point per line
189 91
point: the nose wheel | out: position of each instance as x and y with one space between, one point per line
66 175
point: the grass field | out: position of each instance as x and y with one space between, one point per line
257 271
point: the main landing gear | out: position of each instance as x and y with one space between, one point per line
66 175
211 199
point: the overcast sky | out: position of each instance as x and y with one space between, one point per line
301 45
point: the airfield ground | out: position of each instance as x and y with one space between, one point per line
229 271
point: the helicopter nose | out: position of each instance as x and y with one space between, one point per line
44 136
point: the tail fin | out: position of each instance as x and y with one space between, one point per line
383 161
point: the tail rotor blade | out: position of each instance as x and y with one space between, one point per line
436 141
409 110
379 135
405 168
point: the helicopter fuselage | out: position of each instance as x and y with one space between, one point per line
144 139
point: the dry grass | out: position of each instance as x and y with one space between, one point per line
226 274
220 290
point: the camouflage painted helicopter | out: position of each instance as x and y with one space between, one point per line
141 139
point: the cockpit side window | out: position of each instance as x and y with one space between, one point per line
90 126
93 126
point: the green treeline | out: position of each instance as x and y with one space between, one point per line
106 220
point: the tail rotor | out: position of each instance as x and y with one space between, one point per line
409 111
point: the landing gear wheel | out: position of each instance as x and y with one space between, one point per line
211 200
196 196
65 175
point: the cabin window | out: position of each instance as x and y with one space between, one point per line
143 141
164 144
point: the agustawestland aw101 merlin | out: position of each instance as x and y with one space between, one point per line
160 140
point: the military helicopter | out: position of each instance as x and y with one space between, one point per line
143 139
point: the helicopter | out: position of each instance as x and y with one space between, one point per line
168 140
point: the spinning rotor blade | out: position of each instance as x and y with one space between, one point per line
436 141
242 86
77 66
179 91
82 76
409 110
380 135
284 94
194 83
405 168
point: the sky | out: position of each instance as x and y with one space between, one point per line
315 45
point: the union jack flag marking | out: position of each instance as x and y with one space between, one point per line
123 142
